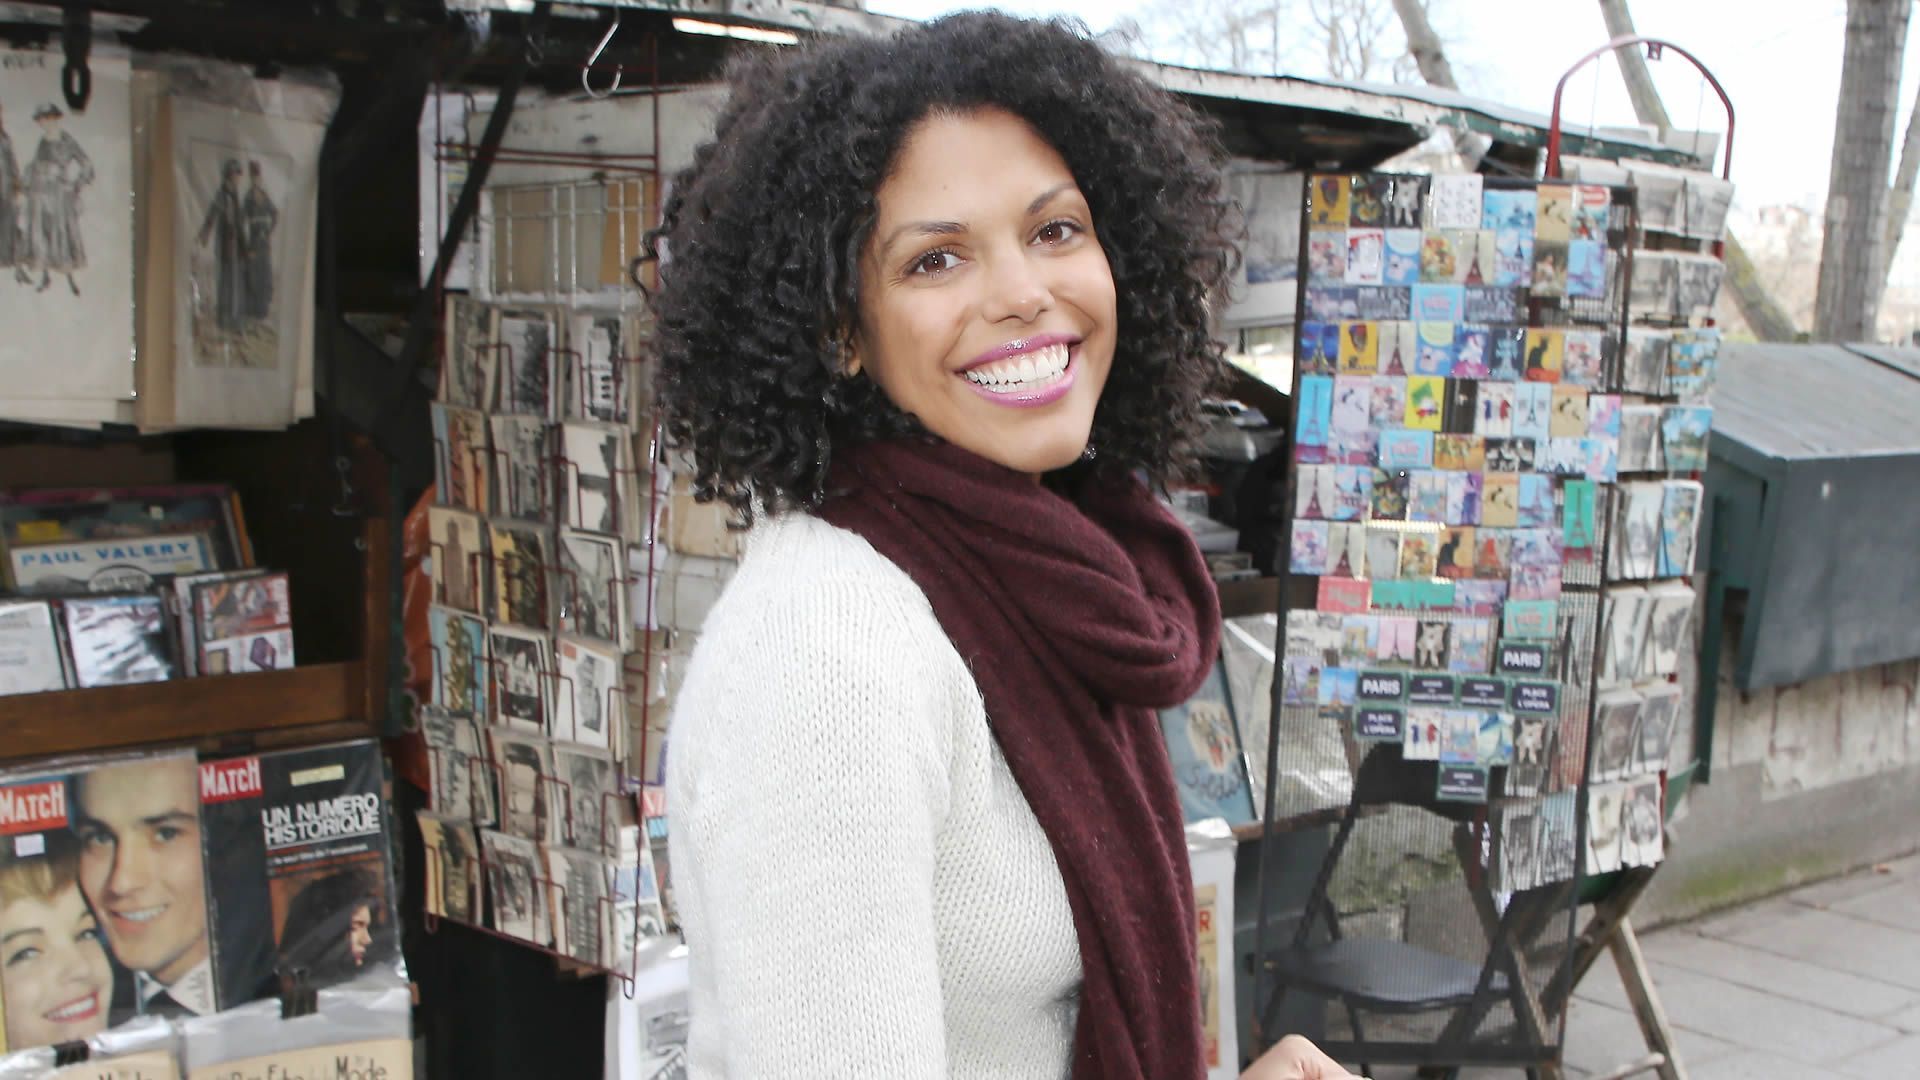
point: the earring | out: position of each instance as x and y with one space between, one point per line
1089 453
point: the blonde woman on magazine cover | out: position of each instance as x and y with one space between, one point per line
933 316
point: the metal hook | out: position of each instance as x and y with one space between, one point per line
586 70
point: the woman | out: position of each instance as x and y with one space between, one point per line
931 302
331 926
55 977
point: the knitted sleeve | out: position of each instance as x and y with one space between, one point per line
810 781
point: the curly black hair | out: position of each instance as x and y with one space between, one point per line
764 232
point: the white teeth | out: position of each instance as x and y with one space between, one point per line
1040 366
142 915
73 1010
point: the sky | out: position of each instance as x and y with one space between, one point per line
1779 61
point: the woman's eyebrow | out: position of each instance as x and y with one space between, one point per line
956 228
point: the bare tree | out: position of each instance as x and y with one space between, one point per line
1900 199
1851 257
1764 315
1344 39
1430 55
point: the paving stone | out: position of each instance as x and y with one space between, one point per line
1899 1058
1761 1020
1758 969
1897 907
1741 920
1841 889
1760 1066
1840 943
1907 1020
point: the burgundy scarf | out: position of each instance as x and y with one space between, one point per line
1078 618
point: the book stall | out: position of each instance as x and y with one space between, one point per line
197 875
362 631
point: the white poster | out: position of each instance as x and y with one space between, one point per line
66 232
244 195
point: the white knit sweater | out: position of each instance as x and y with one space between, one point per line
864 890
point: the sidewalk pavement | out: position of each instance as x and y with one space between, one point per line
1820 982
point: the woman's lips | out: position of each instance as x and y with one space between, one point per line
85 1007
1036 378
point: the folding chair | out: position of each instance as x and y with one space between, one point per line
1371 975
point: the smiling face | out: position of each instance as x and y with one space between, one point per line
53 969
987 308
139 828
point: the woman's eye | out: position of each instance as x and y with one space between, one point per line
935 262
1057 232
21 956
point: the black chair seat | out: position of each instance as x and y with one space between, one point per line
1380 975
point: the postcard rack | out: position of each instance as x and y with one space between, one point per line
306 704
1454 445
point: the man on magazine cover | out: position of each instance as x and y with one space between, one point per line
140 868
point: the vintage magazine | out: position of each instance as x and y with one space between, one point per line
243 624
458 546
460 662
297 841
124 946
530 799
106 565
118 640
30 658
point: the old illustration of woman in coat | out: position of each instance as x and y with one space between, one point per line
59 172
9 200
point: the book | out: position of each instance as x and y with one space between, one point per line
103 862
296 852
1203 744
242 624
522 678
49 515
106 565
30 660
117 640
516 887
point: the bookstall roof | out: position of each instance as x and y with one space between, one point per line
1306 123
1815 456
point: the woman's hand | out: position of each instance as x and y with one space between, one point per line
1295 1058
